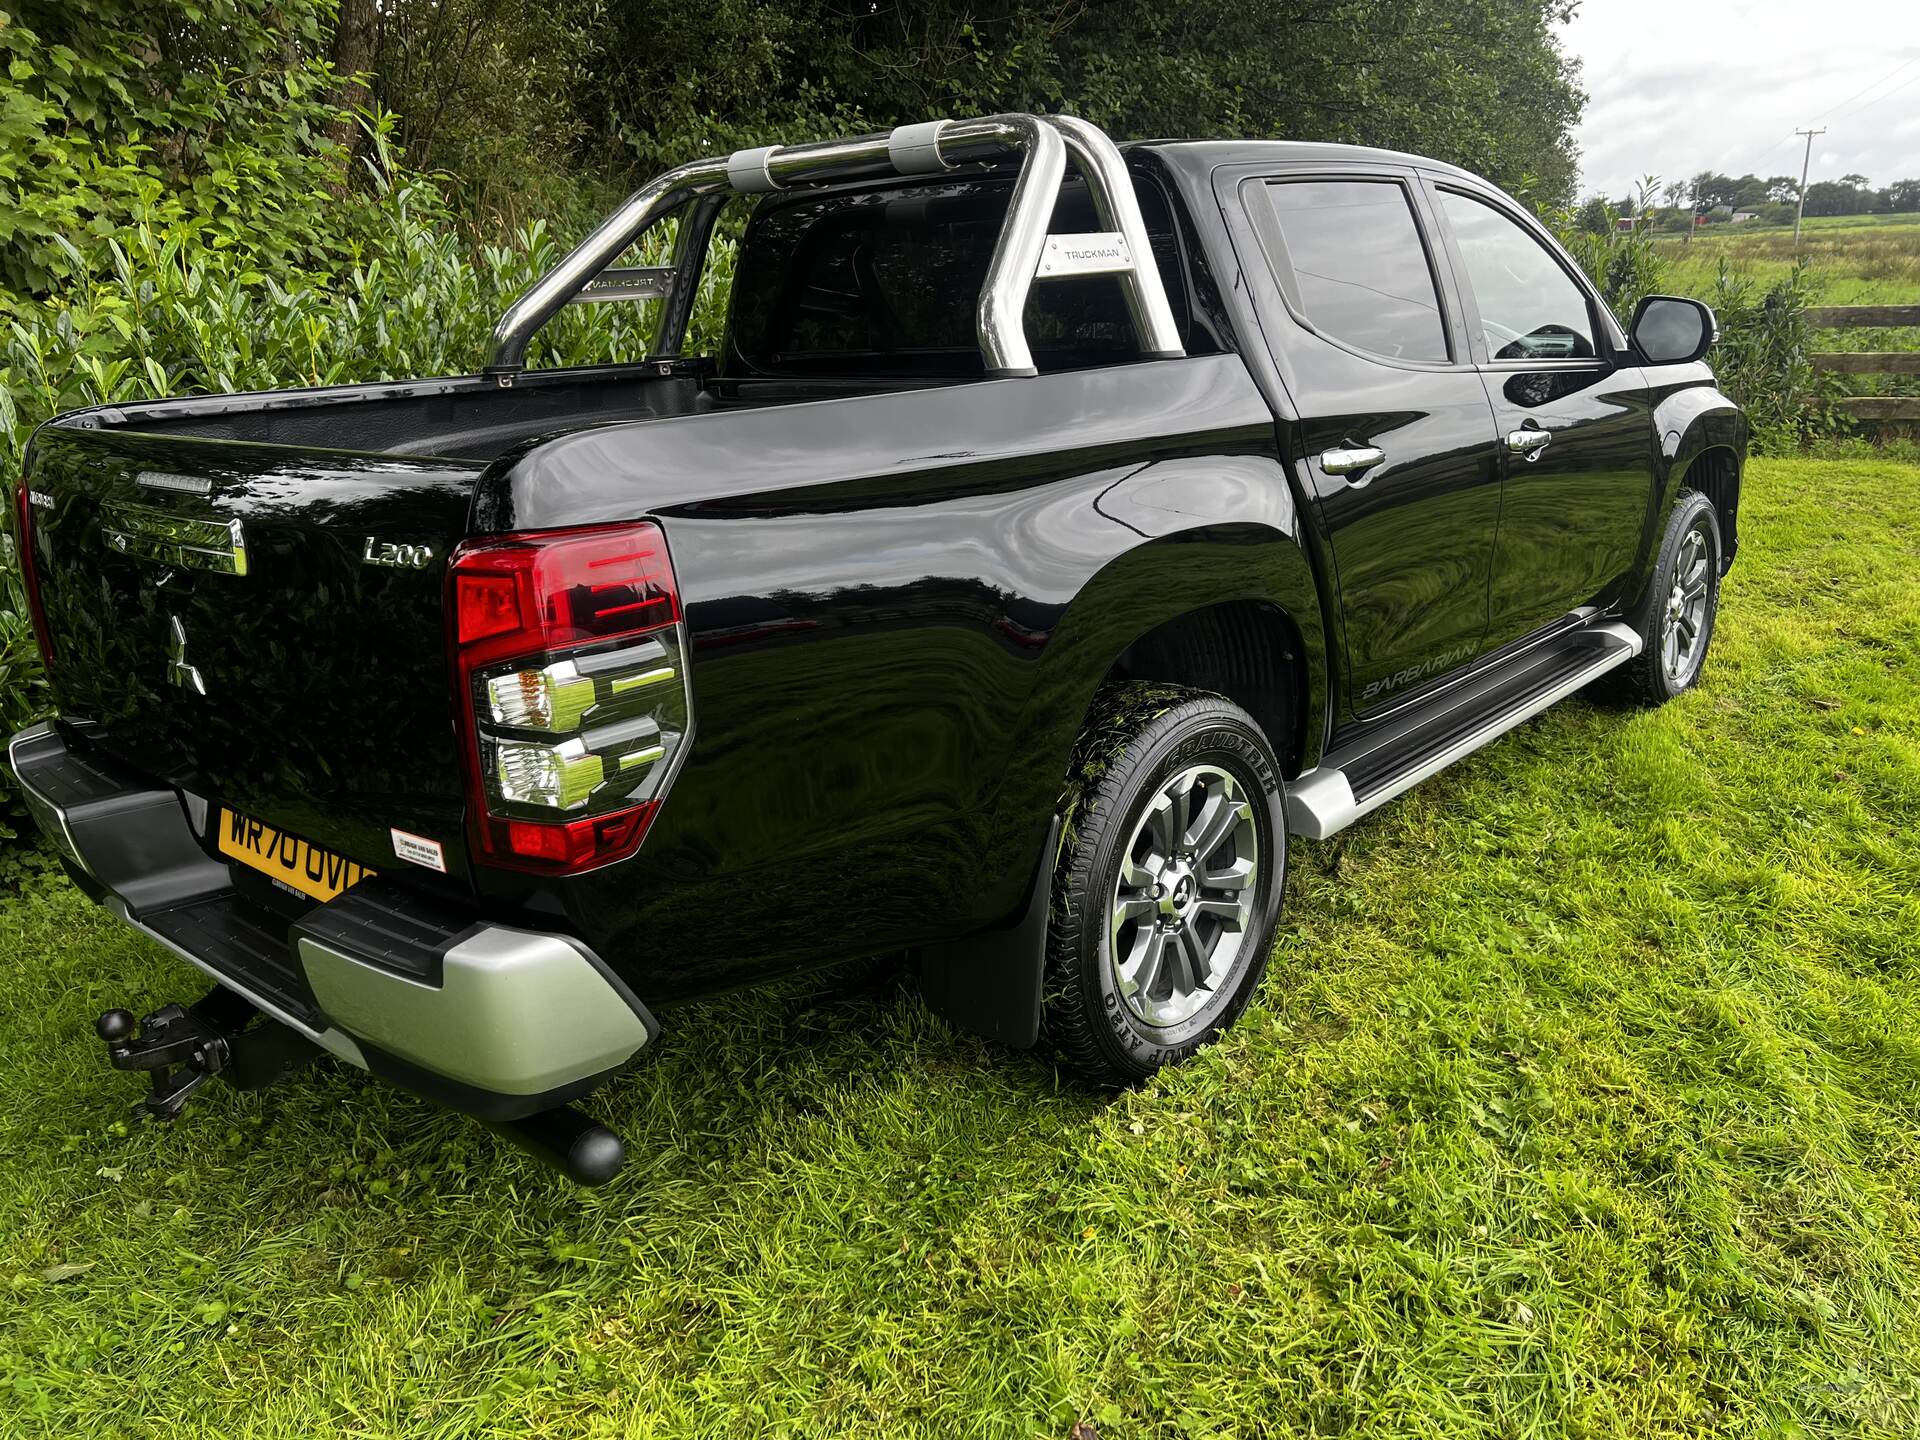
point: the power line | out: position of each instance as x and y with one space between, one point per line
1904 64
1768 153
1862 109
1791 135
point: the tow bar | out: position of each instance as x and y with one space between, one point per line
183 1047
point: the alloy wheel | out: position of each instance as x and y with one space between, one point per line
1684 618
1183 901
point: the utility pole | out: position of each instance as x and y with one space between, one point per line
1800 206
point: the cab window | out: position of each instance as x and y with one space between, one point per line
1355 267
1530 309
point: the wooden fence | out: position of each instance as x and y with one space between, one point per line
1863 362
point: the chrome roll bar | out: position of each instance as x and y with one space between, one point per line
1024 253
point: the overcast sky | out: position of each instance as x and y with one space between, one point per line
1675 87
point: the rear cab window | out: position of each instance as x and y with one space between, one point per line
886 281
1351 263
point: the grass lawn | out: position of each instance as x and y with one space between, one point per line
1858 259
1583 1098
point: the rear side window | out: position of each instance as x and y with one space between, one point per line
1355 266
886 282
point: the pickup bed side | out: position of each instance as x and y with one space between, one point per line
891 665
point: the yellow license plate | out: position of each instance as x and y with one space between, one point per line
294 862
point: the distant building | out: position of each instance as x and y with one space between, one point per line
1740 217
1625 224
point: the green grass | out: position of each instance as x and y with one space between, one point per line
1583 1098
1858 259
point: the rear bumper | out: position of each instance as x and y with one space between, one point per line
496 1020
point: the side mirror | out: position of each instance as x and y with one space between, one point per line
1670 330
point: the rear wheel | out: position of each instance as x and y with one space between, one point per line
1168 889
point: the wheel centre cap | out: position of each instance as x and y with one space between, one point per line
1176 891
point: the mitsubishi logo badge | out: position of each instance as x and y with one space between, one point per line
178 670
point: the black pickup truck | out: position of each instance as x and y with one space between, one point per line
1060 529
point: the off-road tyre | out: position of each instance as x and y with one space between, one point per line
1691 543
1141 739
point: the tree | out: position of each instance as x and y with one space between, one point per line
1836 197
1479 82
1783 189
1596 217
355 39
1903 195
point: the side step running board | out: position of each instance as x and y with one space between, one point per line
1358 778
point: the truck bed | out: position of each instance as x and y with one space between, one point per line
466 417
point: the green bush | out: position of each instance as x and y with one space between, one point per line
174 316
119 112
22 699
1765 358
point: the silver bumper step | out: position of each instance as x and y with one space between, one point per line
1356 779
495 1019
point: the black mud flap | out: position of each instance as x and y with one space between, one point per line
989 982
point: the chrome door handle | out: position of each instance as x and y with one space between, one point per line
1345 461
1528 442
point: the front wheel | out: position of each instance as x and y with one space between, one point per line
1683 600
1167 891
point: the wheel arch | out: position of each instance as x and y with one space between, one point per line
1249 651
1715 473
1239 603
1703 446
1196 607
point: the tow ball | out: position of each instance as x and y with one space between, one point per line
182 1047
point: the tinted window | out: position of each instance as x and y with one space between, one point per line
1530 309
887 282
1359 271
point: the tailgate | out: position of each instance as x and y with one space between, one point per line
260 624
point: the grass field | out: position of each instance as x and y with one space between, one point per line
1858 259
1582 1099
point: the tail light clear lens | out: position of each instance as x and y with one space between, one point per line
30 572
573 700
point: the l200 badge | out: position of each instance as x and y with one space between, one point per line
396 554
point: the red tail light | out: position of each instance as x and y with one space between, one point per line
571 691
30 573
